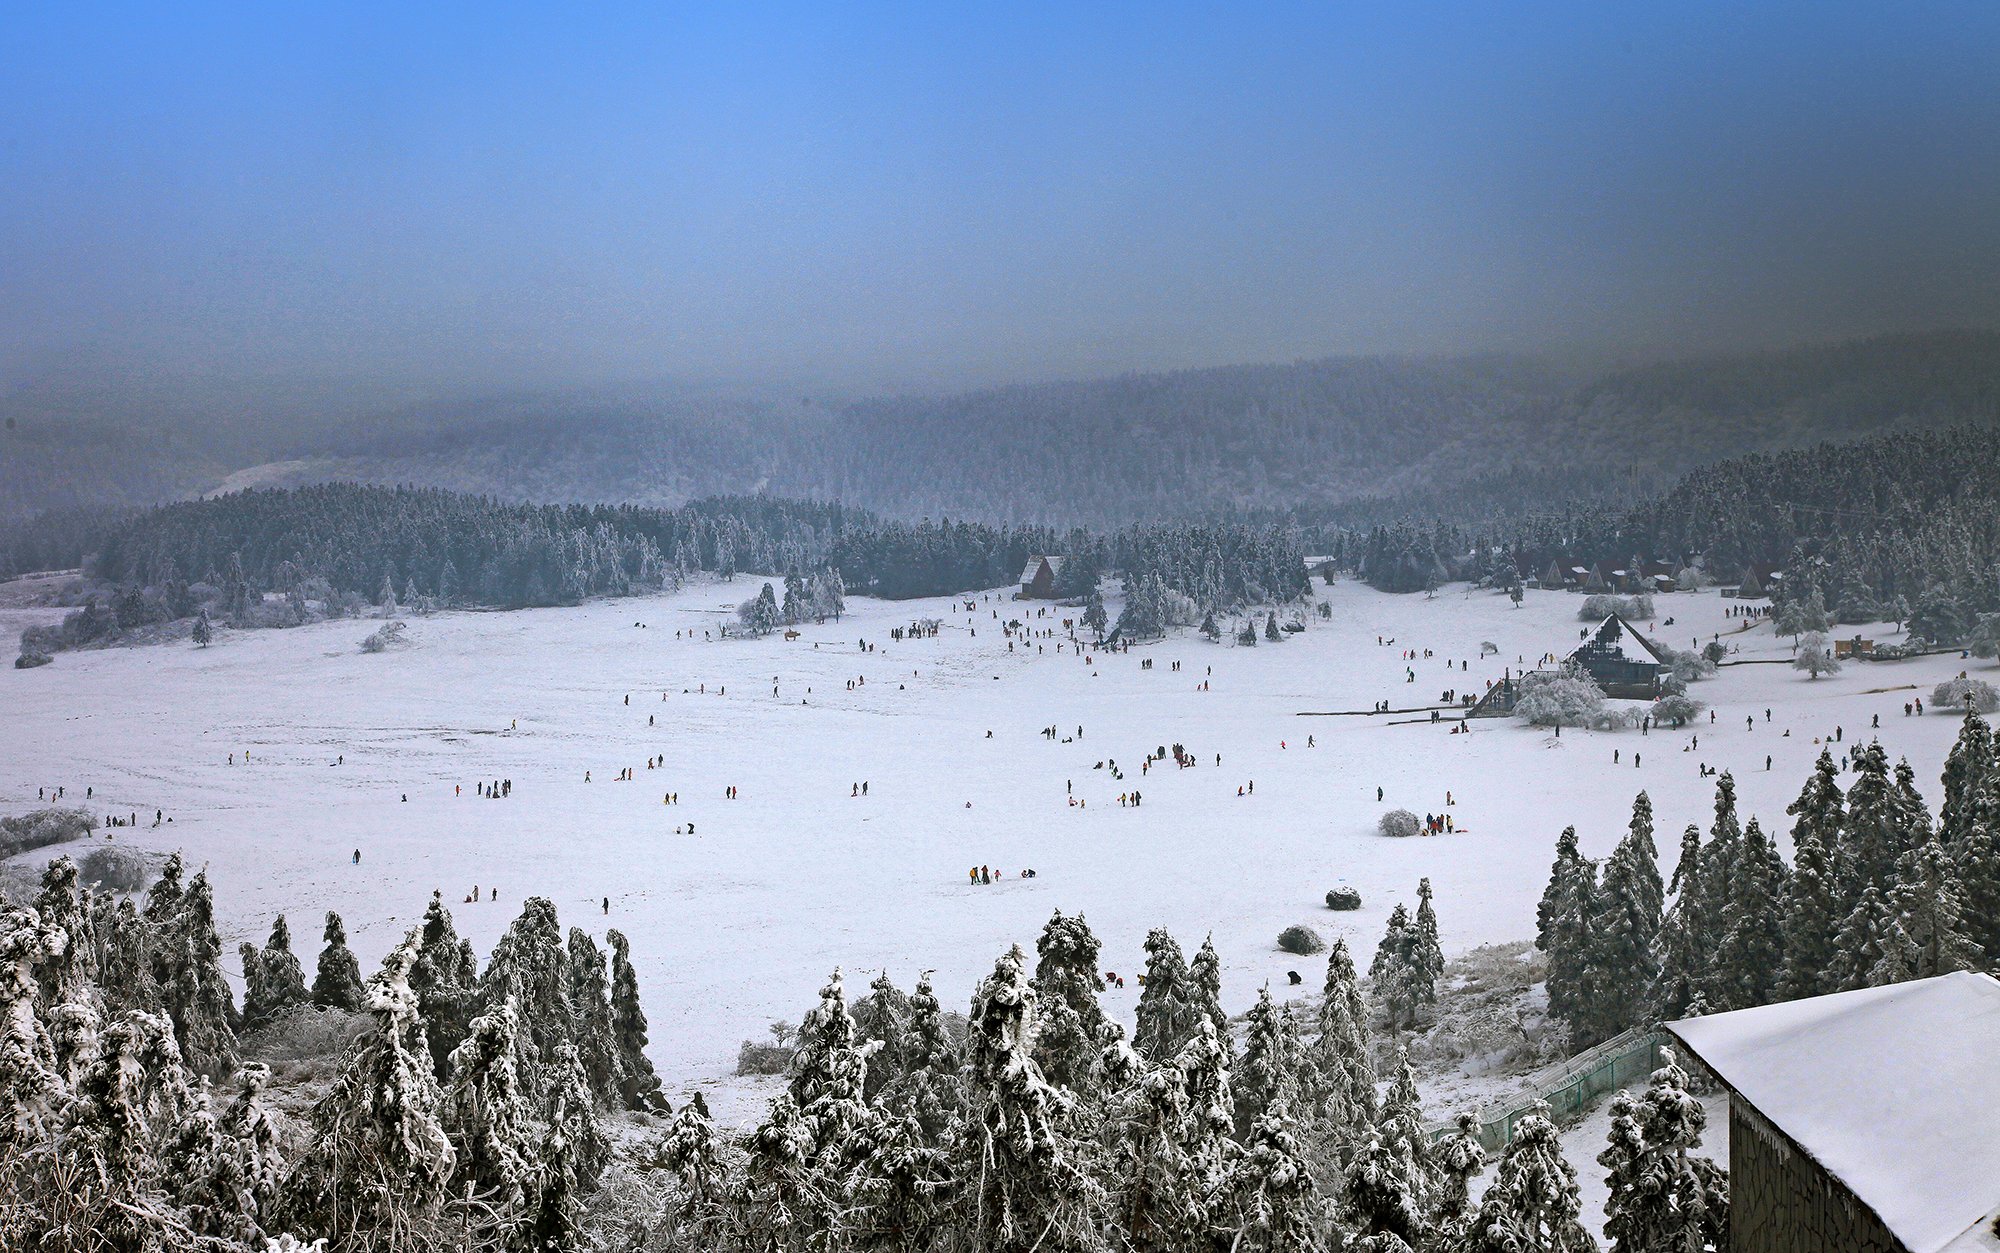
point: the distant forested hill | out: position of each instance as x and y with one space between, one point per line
1357 439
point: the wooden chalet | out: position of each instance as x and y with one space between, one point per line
1038 577
1861 1122
1626 664
1554 577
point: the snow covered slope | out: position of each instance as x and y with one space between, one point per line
737 923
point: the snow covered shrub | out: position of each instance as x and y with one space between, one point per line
1301 939
389 633
42 827
1814 656
301 1032
1689 667
1565 697
29 660
1397 822
114 869
1676 710
1971 693
1345 898
1617 718
1598 607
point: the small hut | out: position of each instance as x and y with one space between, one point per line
1038 577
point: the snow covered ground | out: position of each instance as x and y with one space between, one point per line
739 922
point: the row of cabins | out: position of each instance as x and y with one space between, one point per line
1754 581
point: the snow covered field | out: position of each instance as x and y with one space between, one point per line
739 922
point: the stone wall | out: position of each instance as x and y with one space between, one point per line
1782 1201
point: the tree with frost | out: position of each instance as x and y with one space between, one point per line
1878 830
445 979
1205 980
1752 950
1813 656
1564 697
1967 767
197 994
68 973
1343 1060
1811 919
1567 921
1390 975
1686 938
784 1198
494 1129
1267 1074
640 1086
1403 1135
1819 809
283 981
1927 934
529 966
1067 984
29 1086
572 1157
881 1017
1381 1202
379 1153
1209 627
902 1193
1630 902
1211 1101
1662 1197
1860 944
226 1171
693 1151
829 1075
1161 1200
1425 962
1457 1158
1276 1197
338 983
1094 616
203 632
132 1095
1168 1006
590 1020
1533 1203
1037 1189
929 1090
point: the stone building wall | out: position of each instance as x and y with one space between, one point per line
1782 1201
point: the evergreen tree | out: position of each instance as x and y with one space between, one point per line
196 994
1874 836
1630 902
529 968
1533 1202
829 1075
284 980
1971 762
929 1090
1403 1135
1860 944
445 979
1457 1157
1662 1197
590 1018
225 1172
379 1157
1570 939
1426 953
1382 1200
1205 982
640 1085
1067 984
338 985
1094 616
493 1126
1811 919
880 1017
1686 942
1926 933
1276 1195
1267 1075
1752 951
203 632
1037 1189
1168 1006
1343 1060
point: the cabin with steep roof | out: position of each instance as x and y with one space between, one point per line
1861 1122
1625 663
1038 577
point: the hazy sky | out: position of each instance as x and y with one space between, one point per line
886 196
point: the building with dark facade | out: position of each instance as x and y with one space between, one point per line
1862 1122
1625 663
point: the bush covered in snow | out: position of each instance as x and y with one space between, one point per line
1970 693
1346 898
28 660
1564 697
1814 656
1598 607
1398 822
114 868
1676 710
41 827
389 633
1301 939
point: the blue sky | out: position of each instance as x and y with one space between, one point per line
876 196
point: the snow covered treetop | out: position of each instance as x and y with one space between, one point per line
1892 1090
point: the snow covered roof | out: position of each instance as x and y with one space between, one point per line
1034 566
1617 636
1893 1090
